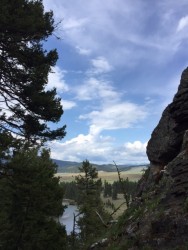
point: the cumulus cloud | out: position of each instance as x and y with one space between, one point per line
83 51
117 44
115 116
73 23
137 147
183 22
3 107
94 88
68 104
82 147
100 65
98 149
56 80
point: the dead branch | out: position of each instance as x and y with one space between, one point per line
101 219
126 196
117 208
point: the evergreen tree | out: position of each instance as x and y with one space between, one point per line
31 204
70 190
31 198
24 69
107 189
90 204
114 190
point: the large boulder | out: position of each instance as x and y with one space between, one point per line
167 137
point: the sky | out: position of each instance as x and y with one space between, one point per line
119 66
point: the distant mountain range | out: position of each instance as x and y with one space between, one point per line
72 167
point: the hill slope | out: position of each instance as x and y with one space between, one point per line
72 167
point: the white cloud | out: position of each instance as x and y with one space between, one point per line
3 106
115 116
100 65
111 29
137 147
68 104
110 112
134 152
94 88
73 23
81 147
83 51
56 80
98 149
183 22
108 33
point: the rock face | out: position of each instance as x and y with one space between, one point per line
166 181
166 139
158 215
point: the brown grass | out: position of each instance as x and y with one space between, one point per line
133 174
120 200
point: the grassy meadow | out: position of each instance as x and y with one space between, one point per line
134 174
120 202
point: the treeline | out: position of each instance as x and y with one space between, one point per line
107 189
94 219
125 186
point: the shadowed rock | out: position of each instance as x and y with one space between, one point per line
158 216
167 137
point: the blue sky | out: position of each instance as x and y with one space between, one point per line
120 63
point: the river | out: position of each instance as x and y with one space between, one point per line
68 218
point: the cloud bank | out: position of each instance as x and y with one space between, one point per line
129 58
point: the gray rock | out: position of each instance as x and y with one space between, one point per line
166 139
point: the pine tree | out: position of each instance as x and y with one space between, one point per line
114 190
24 69
32 204
107 189
30 195
90 204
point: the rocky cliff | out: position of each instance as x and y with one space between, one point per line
167 147
163 190
158 215
167 137
160 209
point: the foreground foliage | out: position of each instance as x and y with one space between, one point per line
32 203
26 105
90 205
30 195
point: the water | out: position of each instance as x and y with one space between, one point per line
68 218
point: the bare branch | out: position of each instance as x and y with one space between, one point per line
126 196
118 208
101 219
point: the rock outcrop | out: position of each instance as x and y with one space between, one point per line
158 215
166 139
165 185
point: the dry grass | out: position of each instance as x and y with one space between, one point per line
133 174
120 201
